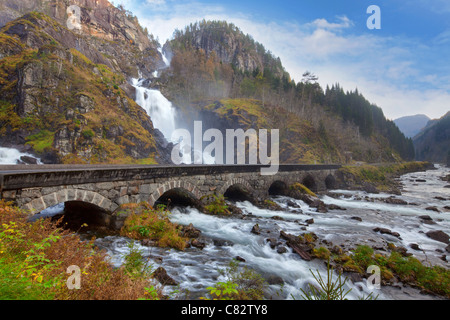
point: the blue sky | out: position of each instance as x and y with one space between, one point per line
404 68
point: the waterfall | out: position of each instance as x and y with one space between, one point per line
160 110
163 115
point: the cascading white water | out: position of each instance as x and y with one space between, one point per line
160 110
12 156
164 114
196 269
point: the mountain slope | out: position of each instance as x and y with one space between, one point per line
63 106
411 125
433 142
214 60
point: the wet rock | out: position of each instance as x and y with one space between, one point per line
387 231
292 204
256 229
296 244
222 243
432 209
282 249
356 218
234 210
273 242
427 220
439 235
421 180
392 200
415 246
335 207
310 221
238 258
440 198
190 232
198 244
161 275
447 248
274 280
369 188
28 160
320 205
278 218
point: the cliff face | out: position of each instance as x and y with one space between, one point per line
104 33
66 106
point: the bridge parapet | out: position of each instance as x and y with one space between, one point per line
35 188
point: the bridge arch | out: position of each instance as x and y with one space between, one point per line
330 182
309 182
237 189
69 195
277 188
162 189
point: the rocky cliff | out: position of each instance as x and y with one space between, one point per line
103 33
66 100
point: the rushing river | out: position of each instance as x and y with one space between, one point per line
227 238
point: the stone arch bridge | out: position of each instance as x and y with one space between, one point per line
36 188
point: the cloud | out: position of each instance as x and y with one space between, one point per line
324 24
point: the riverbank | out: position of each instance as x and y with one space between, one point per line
378 178
284 241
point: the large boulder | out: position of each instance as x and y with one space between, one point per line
439 235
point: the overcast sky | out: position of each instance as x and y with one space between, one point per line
404 67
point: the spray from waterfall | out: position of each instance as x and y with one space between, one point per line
164 115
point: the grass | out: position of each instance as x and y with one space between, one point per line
408 269
302 189
41 141
144 222
216 205
34 258
382 176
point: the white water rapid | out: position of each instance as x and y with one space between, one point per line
13 156
228 237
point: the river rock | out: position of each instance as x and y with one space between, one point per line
387 231
282 249
198 244
392 200
427 220
222 243
296 244
335 207
310 221
356 218
432 209
415 246
161 275
28 160
447 248
439 235
369 188
256 229
190 232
